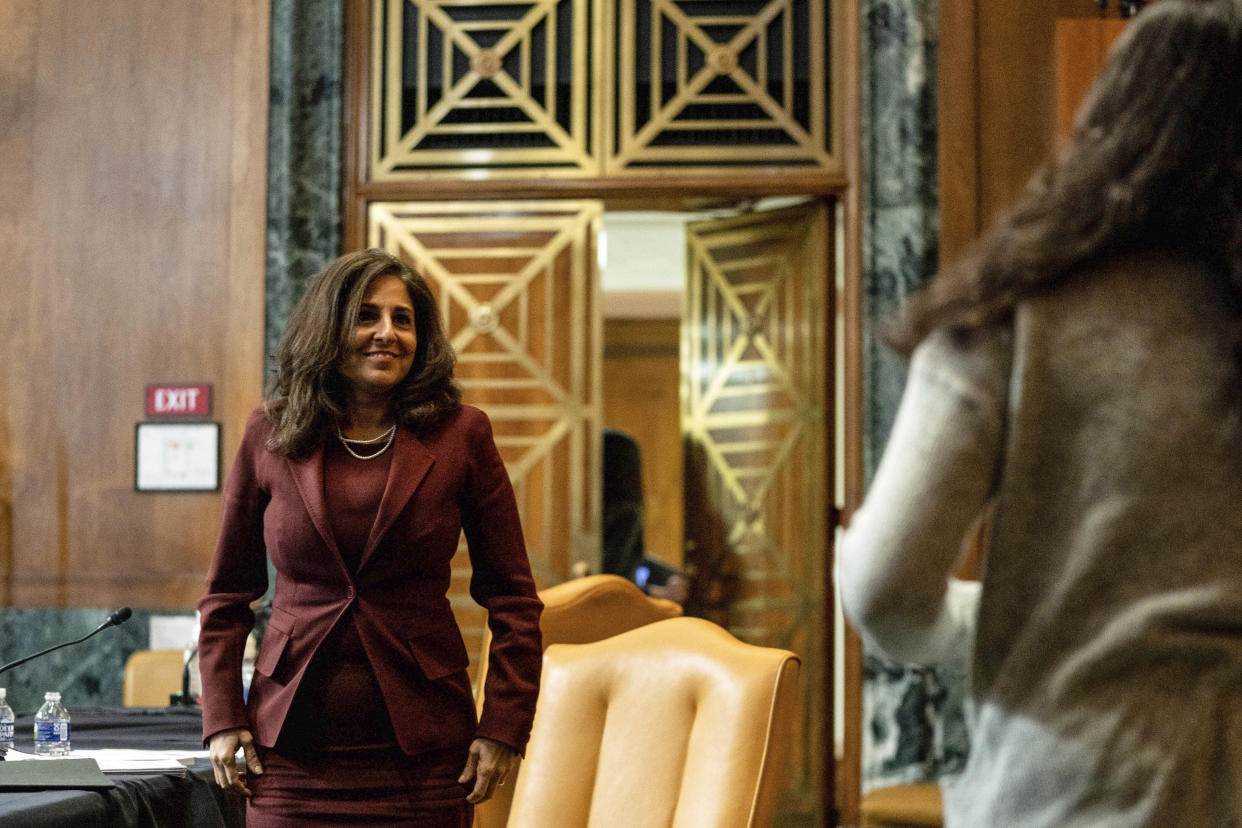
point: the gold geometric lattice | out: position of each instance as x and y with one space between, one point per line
516 286
722 84
755 421
502 86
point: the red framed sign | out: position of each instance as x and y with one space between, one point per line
179 400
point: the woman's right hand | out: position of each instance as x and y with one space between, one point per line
222 748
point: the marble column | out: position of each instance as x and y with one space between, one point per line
304 152
913 726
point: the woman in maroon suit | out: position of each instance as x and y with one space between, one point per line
356 479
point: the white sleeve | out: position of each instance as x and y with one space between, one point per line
894 568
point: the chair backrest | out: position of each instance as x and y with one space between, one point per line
151 676
676 723
576 612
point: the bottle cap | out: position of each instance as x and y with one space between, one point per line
51 696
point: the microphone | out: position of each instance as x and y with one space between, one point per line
116 619
119 617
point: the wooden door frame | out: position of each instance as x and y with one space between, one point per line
957 97
843 775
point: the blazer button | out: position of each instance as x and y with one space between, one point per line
349 592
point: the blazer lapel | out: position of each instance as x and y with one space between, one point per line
410 463
308 477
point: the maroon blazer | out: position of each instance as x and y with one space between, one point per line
440 483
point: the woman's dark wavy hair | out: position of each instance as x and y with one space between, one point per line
1154 164
307 392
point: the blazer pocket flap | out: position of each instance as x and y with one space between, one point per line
279 630
282 620
439 652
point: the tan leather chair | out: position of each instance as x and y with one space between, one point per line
916 805
576 612
151 676
676 723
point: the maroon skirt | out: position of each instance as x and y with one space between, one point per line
379 787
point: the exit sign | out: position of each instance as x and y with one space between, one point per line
180 400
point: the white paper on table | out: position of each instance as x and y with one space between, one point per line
124 760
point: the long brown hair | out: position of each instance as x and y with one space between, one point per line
307 392
1154 164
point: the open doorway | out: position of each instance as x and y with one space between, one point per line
718 360
741 416
642 264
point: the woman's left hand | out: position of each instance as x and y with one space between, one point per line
489 765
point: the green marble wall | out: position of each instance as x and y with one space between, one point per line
305 124
913 720
86 675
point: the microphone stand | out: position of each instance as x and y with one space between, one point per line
119 617
261 610
184 699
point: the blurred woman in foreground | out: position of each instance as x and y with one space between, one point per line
1079 372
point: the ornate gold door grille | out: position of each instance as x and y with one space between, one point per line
588 88
498 86
518 291
721 85
754 371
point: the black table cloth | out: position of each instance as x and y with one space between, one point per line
138 800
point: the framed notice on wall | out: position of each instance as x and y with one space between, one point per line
177 457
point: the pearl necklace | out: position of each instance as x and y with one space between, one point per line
391 434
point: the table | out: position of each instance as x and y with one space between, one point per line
138 800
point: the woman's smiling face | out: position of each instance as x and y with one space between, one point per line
381 346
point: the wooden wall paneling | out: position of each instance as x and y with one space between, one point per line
1081 47
18 25
357 113
144 208
957 101
843 780
641 396
1015 99
997 106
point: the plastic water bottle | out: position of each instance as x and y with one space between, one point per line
51 727
6 722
